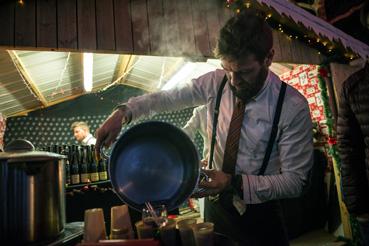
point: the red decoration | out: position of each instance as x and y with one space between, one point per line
323 72
230 1
332 141
305 78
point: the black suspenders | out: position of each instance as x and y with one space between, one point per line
273 133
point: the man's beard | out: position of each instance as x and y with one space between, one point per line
250 88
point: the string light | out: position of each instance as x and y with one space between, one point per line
320 43
55 92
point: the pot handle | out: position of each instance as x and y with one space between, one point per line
103 152
203 177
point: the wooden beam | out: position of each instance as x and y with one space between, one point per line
121 67
126 66
27 78
345 217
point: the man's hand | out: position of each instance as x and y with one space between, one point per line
204 163
107 133
218 182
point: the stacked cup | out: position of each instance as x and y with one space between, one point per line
185 230
120 225
204 234
193 234
94 229
168 234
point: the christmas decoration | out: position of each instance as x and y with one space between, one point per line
332 141
294 28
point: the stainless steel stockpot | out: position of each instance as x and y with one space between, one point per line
31 194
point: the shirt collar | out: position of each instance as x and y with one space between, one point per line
88 137
264 88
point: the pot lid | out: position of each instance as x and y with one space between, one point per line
23 150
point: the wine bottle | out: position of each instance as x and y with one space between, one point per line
75 178
93 167
85 177
65 151
103 174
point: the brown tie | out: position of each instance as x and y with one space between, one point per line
233 138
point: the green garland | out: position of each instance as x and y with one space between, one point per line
322 74
332 142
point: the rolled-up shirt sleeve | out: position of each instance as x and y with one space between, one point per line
295 149
195 93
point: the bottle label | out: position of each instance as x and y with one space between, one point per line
84 178
75 179
103 175
94 177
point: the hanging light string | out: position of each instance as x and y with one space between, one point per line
162 73
61 77
119 78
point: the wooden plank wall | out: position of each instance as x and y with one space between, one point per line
141 27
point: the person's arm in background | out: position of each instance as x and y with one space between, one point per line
193 124
198 123
295 148
351 149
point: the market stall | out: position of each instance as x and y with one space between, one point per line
304 47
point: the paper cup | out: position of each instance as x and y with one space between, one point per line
204 234
186 232
168 233
145 230
94 228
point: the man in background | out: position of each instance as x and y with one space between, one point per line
81 132
353 145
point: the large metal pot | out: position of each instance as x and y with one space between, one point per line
154 162
31 194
